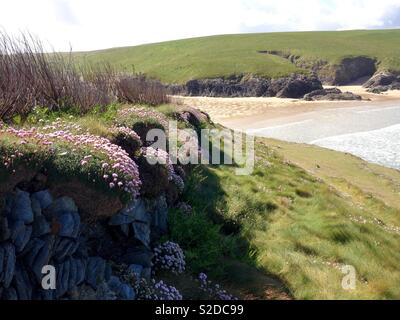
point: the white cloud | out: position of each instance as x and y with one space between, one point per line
93 24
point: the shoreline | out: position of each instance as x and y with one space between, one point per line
256 113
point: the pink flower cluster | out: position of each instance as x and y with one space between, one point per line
119 170
144 113
159 156
162 157
126 132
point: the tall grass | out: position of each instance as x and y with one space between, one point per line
31 77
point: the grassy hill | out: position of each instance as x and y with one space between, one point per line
225 55
305 213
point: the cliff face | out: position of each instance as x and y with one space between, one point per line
347 71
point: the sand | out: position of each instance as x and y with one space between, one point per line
253 113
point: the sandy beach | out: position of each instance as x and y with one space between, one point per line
253 113
369 129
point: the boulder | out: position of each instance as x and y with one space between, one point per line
64 247
23 238
159 215
299 85
121 289
8 261
381 79
138 255
23 284
69 223
37 255
95 271
10 294
40 227
135 211
44 198
21 207
331 94
142 232
5 232
60 206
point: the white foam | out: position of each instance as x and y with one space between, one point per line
380 146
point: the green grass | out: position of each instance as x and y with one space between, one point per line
225 55
302 229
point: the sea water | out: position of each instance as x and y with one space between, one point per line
367 131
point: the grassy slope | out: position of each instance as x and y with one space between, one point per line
301 227
207 57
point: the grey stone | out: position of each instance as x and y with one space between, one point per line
125 229
66 225
81 269
22 207
44 198
126 292
114 284
69 224
135 211
142 232
45 295
138 255
9 261
95 271
23 284
160 216
331 94
23 238
62 278
10 294
1 262
64 247
122 290
136 269
36 208
40 227
17 227
61 206
107 272
5 232
72 280
37 256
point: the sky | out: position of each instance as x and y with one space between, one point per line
97 24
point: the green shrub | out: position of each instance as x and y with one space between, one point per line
200 239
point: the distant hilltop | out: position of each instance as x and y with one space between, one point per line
337 57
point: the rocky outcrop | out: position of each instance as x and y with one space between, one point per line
348 70
382 82
295 86
232 87
330 95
